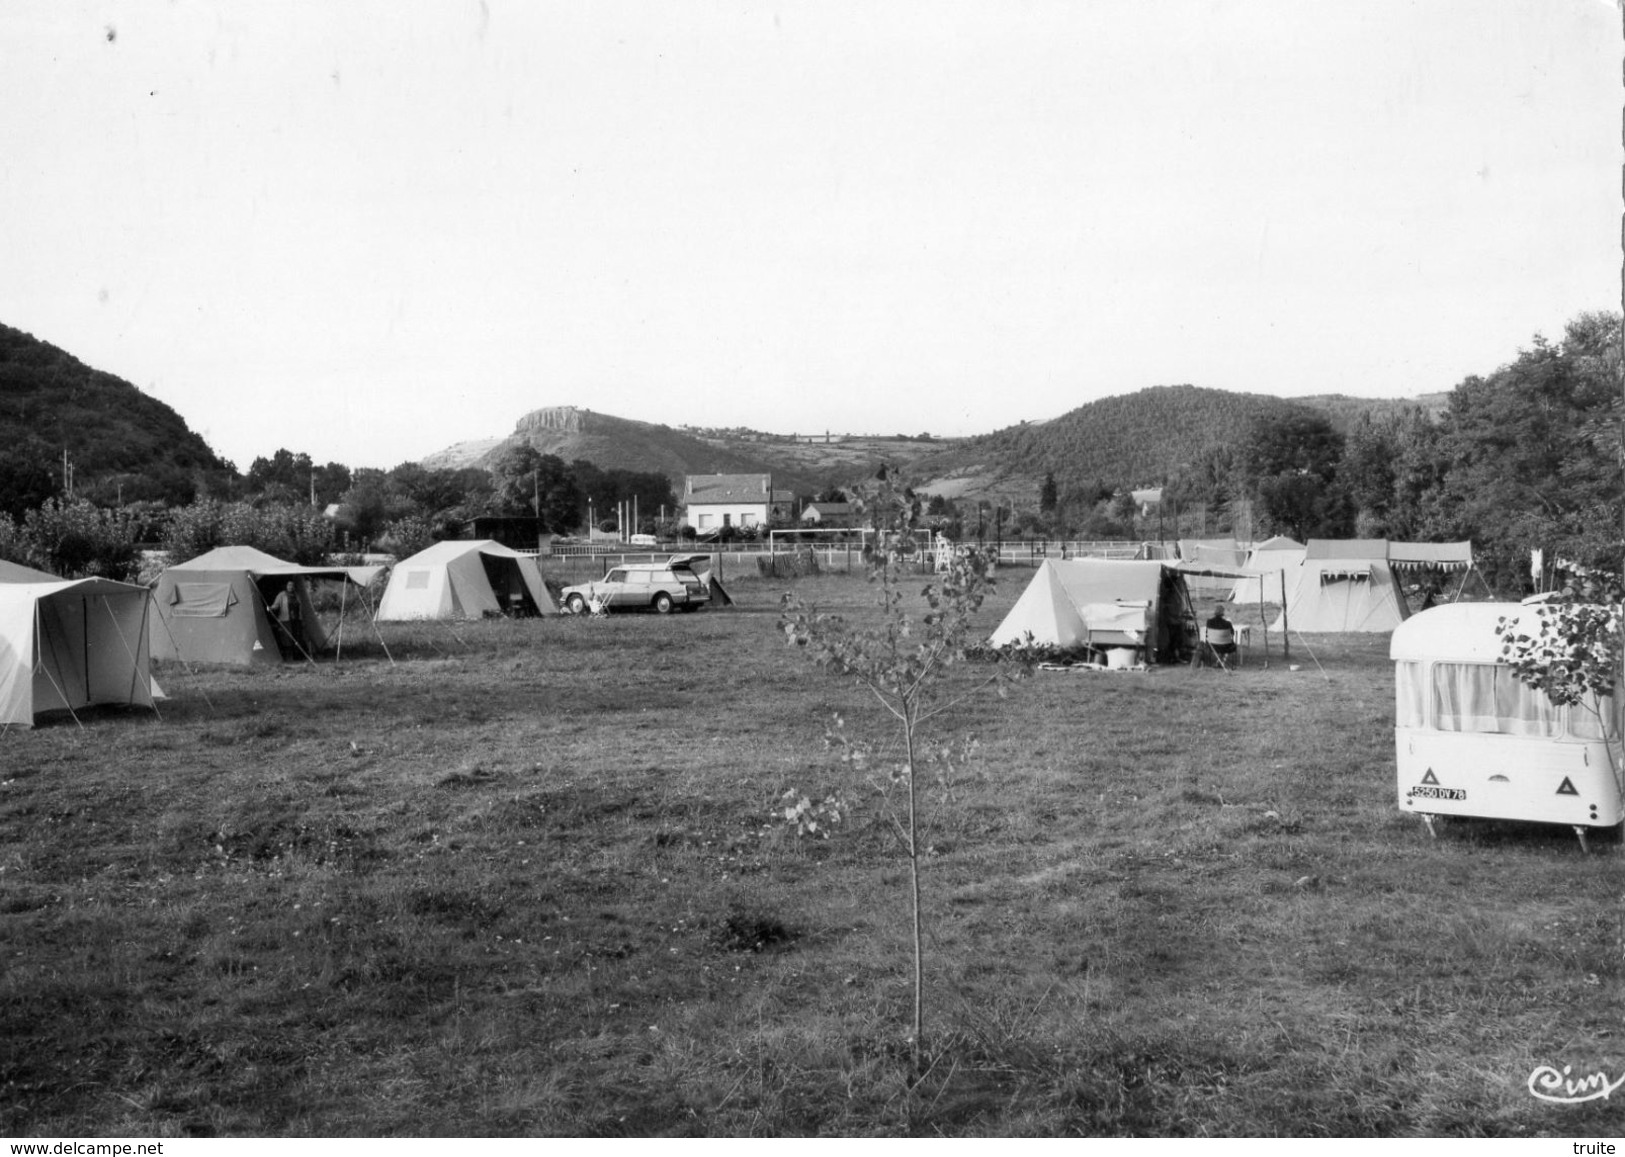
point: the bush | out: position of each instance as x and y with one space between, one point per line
292 533
81 540
13 548
406 536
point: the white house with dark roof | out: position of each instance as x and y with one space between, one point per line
712 501
832 514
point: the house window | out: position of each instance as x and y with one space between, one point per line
705 521
727 520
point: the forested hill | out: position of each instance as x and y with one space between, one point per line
121 443
1135 439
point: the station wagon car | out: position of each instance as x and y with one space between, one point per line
659 586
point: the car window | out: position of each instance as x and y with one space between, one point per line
683 573
615 576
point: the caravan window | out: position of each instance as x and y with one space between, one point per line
1410 695
1479 697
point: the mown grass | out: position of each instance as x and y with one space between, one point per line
525 880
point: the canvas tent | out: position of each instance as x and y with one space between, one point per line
460 579
1205 562
213 609
1100 603
1268 558
70 643
1343 585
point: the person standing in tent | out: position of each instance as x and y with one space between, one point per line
289 621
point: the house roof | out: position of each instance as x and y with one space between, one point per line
729 489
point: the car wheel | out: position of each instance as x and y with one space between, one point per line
576 604
663 603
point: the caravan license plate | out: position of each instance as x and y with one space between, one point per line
1437 793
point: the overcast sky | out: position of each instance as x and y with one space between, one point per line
367 230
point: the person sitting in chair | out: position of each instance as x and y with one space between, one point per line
1221 632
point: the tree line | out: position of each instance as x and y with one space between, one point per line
290 506
1526 457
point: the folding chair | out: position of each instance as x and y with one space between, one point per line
1217 645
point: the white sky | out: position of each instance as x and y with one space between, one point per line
367 230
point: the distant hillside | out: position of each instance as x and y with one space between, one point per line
611 443
1128 440
121 443
1133 439
830 460
1344 411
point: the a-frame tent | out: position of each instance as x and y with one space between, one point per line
215 608
464 579
1100 603
70 643
1343 585
1268 558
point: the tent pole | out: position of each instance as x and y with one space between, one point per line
173 642
344 594
373 619
1286 627
1263 620
135 663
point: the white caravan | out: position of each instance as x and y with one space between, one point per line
1473 740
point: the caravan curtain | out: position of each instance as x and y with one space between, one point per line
1478 697
1410 695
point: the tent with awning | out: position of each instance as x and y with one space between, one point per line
1101 603
215 608
1343 585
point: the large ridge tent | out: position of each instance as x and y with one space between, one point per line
1100 603
214 608
460 579
70 643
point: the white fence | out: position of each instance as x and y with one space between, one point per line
582 561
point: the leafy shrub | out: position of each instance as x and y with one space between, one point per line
13 548
407 536
293 533
79 540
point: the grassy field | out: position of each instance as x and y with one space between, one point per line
526 879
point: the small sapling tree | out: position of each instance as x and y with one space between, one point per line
1576 650
903 661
